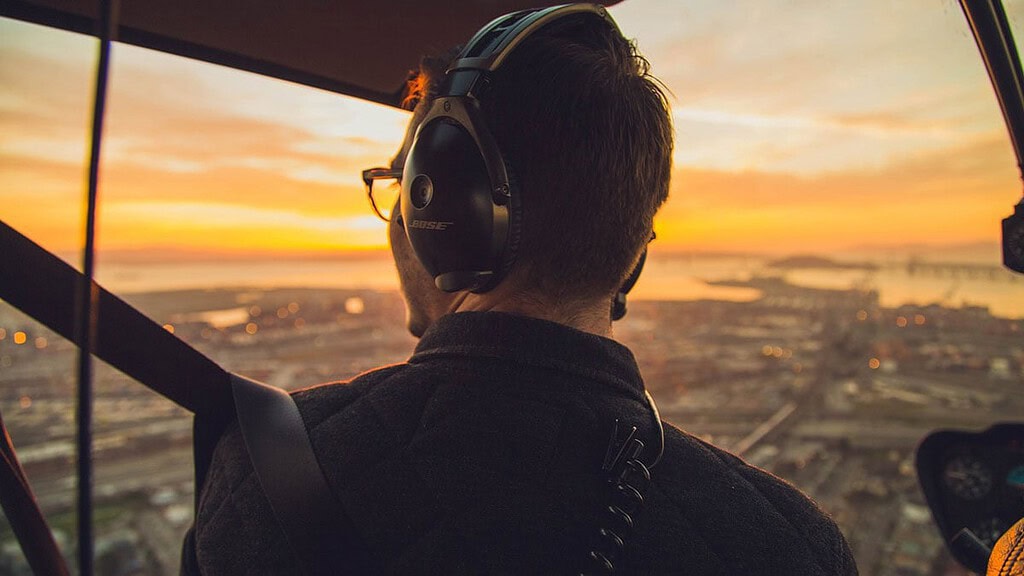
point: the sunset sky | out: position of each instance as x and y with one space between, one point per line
801 126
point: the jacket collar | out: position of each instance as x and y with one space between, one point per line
533 342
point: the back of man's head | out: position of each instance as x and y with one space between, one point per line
587 134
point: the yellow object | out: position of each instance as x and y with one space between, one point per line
1007 557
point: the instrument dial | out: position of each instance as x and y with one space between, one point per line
967 478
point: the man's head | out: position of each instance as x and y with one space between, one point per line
587 134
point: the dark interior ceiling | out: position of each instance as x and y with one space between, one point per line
360 48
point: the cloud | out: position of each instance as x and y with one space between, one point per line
212 225
808 87
771 55
176 115
221 215
177 131
805 144
45 106
803 123
958 194
877 124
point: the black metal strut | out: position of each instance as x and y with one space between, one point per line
992 33
88 311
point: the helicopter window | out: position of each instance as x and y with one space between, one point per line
282 258
823 291
42 166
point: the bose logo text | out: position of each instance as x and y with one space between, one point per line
430 224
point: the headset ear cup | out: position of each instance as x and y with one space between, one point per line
515 223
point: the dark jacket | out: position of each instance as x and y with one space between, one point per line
482 455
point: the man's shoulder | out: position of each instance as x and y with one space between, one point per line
325 401
236 530
739 516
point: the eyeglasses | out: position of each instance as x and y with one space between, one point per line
383 187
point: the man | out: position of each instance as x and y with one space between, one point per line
505 445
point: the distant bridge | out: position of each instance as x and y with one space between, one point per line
989 272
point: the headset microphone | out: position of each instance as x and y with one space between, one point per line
619 302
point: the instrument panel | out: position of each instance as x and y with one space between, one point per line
974 480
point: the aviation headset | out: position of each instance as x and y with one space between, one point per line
459 202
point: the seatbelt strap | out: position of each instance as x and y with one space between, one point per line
288 472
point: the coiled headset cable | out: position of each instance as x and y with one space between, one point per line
628 478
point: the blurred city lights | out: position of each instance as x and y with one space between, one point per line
355 305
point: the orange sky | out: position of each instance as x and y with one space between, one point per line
809 128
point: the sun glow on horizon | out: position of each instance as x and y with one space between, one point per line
858 129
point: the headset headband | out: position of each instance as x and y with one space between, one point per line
487 49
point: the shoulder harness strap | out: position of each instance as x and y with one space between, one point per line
287 469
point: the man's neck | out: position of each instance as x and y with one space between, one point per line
592 316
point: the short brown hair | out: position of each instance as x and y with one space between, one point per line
587 132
